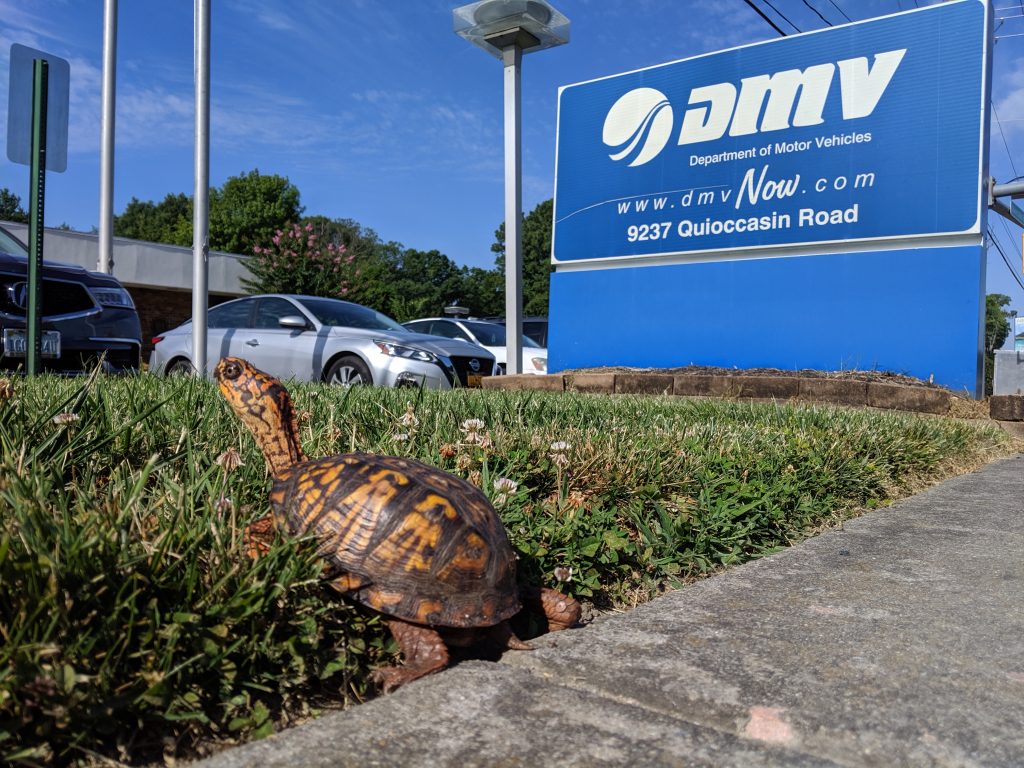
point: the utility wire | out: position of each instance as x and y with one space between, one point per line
1003 135
1006 260
817 12
761 13
782 15
836 6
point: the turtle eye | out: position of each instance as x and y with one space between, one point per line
232 370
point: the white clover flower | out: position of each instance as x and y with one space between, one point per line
563 574
65 418
471 426
409 419
560 447
402 437
505 485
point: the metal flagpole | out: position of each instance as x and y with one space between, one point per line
201 197
105 262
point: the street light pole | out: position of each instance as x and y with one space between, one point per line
512 57
507 29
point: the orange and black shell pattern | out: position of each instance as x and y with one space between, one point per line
403 538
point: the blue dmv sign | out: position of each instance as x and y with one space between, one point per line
869 132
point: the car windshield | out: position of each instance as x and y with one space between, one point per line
349 315
10 244
493 335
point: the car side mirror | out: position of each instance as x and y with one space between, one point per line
296 322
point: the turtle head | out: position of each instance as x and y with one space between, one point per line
265 407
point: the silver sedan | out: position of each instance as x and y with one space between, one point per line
311 338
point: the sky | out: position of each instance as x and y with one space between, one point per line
377 111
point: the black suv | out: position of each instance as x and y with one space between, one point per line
85 314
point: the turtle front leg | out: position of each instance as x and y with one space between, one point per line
423 649
258 536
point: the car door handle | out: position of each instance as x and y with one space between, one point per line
252 343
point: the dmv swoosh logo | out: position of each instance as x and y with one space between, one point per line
638 126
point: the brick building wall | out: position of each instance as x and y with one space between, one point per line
161 309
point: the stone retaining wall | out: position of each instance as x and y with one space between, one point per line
1008 409
818 390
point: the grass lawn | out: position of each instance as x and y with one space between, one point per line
133 626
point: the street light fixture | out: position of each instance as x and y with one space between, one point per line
507 29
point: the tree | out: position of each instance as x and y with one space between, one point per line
10 207
997 328
424 283
536 236
245 211
248 209
483 292
374 258
169 221
997 321
298 260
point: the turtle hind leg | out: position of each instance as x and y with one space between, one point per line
424 652
558 610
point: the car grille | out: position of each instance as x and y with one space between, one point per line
60 297
463 369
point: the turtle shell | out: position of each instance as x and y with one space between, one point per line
411 541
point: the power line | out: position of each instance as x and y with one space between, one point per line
782 15
836 6
763 16
1006 260
817 12
1003 135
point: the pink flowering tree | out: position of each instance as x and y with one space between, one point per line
298 259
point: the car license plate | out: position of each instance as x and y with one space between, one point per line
474 380
16 342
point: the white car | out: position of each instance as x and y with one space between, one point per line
311 338
490 336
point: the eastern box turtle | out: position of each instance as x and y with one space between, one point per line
423 547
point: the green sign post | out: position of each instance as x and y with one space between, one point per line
37 192
37 136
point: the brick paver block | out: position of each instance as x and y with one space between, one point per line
768 387
920 399
835 391
549 383
1006 407
603 383
701 385
643 384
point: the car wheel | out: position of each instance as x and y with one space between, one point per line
181 367
349 371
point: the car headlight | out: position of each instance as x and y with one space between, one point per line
539 363
409 353
112 296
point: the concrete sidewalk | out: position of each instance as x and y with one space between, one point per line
897 641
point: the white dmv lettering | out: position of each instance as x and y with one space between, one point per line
860 85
